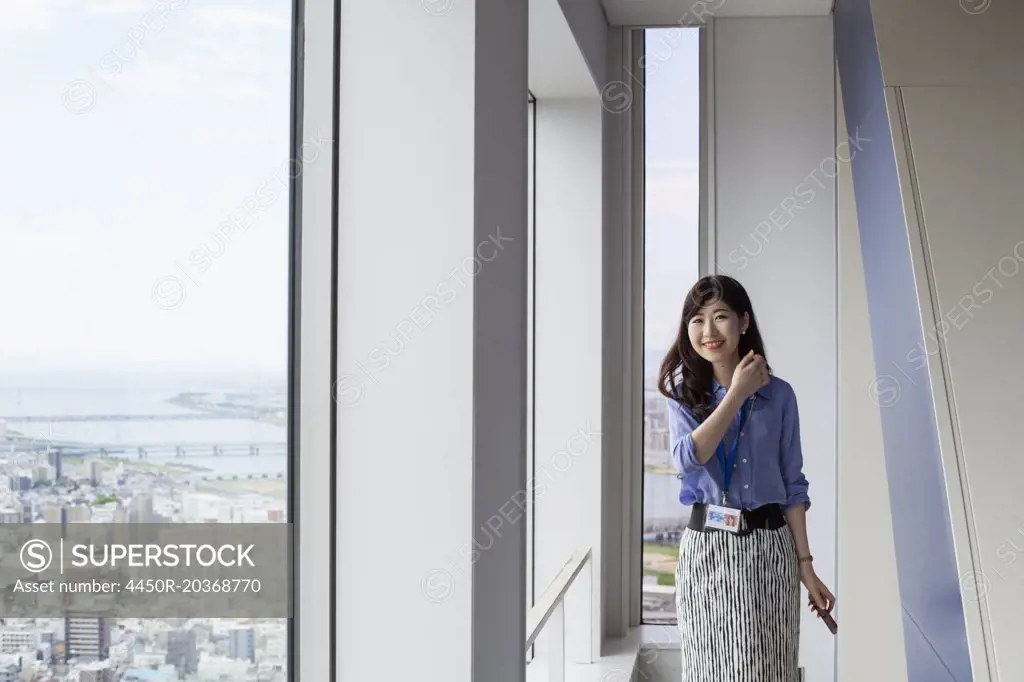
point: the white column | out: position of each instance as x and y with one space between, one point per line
313 342
431 329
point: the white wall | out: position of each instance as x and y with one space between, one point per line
868 608
567 418
970 42
775 231
971 218
963 102
557 66
589 26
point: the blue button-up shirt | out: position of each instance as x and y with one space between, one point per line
769 463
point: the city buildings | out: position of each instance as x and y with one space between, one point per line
242 644
86 639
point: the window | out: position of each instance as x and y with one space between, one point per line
531 117
671 228
145 255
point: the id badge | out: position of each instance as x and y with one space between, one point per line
722 518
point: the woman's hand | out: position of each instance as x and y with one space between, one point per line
750 375
817 593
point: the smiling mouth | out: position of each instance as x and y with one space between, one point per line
714 345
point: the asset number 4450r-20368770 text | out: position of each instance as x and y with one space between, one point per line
195 585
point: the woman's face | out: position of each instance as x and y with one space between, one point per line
715 332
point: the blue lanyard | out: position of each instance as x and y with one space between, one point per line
727 464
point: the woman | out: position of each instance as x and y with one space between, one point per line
736 443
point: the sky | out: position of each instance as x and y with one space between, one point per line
132 130
126 148
672 181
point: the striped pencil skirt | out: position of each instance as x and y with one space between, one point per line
738 605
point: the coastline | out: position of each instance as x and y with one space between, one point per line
200 402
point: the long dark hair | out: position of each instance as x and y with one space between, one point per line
684 375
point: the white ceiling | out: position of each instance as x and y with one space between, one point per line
557 67
689 12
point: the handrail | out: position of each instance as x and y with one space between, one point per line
553 596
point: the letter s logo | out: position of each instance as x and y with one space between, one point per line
36 556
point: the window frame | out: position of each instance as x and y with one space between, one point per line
634 161
531 344
635 301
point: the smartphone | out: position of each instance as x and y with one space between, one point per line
827 618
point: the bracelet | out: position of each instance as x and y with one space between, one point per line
807 558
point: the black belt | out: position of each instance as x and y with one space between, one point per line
768 517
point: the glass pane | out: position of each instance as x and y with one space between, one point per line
531 109
144 254
671 219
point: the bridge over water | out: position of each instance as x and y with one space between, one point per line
179 450
280 475
152 450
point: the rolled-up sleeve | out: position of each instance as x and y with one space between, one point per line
792 459
681 424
